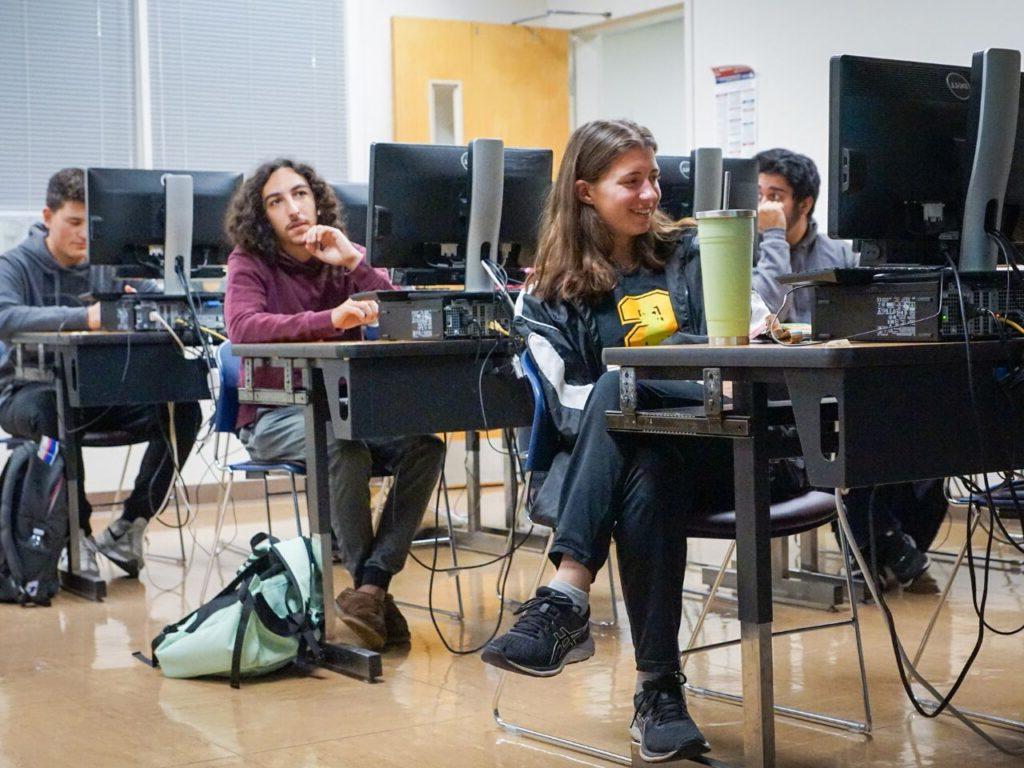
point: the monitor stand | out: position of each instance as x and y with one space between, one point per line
178 233
486 188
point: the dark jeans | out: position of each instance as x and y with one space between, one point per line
31 411
916 508
639 489
414 461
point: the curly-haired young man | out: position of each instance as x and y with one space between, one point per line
291 277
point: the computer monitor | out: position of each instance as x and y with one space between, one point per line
127 209
677 183
353 197
899 135
901 153
419 199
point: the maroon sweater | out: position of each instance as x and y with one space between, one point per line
288 301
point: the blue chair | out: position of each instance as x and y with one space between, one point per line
543 447
224 417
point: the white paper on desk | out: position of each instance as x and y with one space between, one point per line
759 315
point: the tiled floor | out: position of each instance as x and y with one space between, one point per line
72 695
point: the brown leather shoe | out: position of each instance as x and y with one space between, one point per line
363 614
394 621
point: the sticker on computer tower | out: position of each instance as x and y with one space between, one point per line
897 315
422 324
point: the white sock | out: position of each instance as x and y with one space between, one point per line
580 598
642 677
118 527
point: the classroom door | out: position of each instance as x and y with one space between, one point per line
454 81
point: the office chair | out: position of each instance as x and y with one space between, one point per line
804 513
119 439
541 453
224 417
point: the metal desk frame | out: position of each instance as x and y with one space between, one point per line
845 402
84 367
390 389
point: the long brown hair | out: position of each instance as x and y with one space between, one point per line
247 224
574 253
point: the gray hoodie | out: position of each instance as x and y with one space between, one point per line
775 258
37 294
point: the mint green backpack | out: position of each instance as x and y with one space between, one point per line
269 614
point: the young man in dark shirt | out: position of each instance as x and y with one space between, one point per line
291 277
41 281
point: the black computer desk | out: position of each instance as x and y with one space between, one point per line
384 389
100 368
866 414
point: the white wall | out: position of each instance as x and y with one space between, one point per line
789 44
618 9
609 63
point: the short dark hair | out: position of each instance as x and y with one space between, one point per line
247 224
798 170
67 184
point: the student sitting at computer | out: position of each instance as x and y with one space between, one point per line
788 186
41 281
291 277
612 270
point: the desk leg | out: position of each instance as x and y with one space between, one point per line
73 580
473 519
350 660
754 576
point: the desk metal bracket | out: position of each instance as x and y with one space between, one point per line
627 390
40 371
248 392
678 421
713 393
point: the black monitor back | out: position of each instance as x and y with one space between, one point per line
677 188
1012 224
898 150
419 198
353 197
126 211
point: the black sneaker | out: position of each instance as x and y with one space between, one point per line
548 634
905 560
661 723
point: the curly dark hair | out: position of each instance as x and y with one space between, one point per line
67 184
247 224
799 170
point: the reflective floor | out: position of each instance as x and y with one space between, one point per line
71 693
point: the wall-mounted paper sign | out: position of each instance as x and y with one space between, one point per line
736 109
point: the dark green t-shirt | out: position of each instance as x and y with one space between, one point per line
637 313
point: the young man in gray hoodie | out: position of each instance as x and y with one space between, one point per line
788 186
41 282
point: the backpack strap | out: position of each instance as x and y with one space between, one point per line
245 597
12 474
203 612
297 623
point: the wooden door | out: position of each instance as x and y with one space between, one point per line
513 81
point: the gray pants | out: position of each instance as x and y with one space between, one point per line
415 462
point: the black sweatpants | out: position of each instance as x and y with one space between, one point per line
31 411
639 490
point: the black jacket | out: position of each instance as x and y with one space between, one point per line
563 340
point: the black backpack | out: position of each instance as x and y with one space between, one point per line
33 523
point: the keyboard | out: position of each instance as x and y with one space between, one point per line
864 275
